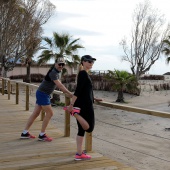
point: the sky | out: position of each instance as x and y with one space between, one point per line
101 25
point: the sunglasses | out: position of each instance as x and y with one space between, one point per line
61 64
89 61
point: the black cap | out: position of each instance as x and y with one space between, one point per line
87 57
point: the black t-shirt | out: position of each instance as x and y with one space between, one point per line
48 85
84 91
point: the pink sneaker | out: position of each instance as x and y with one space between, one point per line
76 110
83 156
45 138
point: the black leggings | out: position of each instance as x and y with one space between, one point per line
81 131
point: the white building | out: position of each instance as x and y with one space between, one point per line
21 69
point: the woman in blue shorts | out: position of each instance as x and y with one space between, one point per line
48 85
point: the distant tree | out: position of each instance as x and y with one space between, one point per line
61 45
166 49
18 20
147 38
123 81
32 46
31 50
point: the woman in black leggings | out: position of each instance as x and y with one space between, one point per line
84 99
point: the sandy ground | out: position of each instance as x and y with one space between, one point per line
134 139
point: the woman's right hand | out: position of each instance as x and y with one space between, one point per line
70 108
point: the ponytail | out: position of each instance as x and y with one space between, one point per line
80 68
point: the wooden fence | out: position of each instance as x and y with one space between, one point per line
6 86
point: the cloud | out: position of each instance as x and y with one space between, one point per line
60 23
100 25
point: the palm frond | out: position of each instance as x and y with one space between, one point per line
61 45
48 40
45 56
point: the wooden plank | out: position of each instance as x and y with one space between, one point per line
67 119
134 109
17 154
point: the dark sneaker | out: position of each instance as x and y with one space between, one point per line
45 138
83 156
27 136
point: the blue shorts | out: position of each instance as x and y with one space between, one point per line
42 98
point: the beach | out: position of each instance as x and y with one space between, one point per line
136 140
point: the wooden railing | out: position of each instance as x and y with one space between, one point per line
7 86
134 109
88 139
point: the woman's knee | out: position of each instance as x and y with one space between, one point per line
90 129
48 110
36 113
49 114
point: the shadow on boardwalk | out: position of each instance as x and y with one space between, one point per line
32 154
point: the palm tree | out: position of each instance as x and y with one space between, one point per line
166 49
124 81
61 45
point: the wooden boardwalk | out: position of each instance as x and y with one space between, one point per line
17 154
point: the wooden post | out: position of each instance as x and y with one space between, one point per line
88 142
9 89
17 93
42 115
67 119
27 98
3 86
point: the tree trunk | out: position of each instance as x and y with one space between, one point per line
120 97
28 76
4 72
